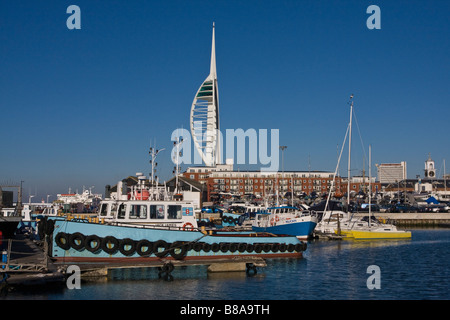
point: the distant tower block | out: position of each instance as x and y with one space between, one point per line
204 120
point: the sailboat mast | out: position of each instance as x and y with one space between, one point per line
370 185
349 151
445 182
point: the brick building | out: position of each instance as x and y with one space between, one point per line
223 179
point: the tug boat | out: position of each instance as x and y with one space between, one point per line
148 229
79 241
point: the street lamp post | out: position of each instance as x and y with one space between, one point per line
282 148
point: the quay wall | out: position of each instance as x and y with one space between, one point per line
425 219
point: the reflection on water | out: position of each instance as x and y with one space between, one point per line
415 268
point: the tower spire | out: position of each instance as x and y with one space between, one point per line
204 120
213 72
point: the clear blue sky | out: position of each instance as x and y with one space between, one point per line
81 107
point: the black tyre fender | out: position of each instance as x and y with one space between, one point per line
42 227
93 239
224 247
215 247
49 226
206 247
160 244
267 247
178 250
110 244
62 240
127 242
167 267
242 247
198 246
299 247
76 241
275 247
141 244
233 247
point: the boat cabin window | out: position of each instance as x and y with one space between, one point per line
174 212
121 211
104 209
113 210
138 211
156 211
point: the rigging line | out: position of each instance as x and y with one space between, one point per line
360 138
334 176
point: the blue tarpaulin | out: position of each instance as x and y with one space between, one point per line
432 200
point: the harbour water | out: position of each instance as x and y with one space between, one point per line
415 269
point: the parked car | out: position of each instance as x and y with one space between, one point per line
403 208
365 208
437 208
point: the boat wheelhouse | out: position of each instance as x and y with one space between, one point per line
175 214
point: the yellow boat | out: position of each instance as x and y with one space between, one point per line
381 233
345 233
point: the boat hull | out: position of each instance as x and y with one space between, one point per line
302 230
345 234
70 244
367 234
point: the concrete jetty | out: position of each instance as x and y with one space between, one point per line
418 219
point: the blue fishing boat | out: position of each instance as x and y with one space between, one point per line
237 213
286 220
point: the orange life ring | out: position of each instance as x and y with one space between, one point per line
277 218
188 225
272 221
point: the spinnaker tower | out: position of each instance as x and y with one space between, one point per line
204 121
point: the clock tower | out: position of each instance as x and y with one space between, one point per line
430 171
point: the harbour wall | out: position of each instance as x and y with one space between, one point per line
419 219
